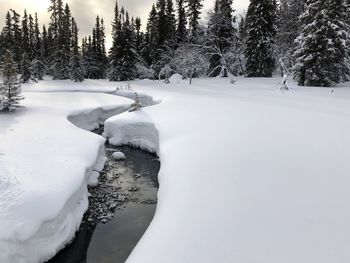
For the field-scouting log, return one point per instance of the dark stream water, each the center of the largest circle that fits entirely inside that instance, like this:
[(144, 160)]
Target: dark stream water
[(125, 200)]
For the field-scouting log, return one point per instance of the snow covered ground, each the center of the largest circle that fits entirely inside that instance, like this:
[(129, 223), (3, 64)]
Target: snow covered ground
[(45, 165), (248, 173)]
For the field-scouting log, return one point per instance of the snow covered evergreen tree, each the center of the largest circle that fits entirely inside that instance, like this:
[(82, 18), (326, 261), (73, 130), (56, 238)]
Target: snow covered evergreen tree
[(94, 53), (289, 28), (10, 86), (139, 35), (127, 69), (25, 33), (12, 36), (60, 30), (75, 64), (261, 30), (194, 8), (45, 46), (38, 67), (26, 74), (181, 24), (17, 36), (89, 59), (149, 50), (162, 22), (123, 55), (7, 35), (167, 49), (170, 22), (348, 25), (30, 52), (116, 50), (322, 46), (221, 37)]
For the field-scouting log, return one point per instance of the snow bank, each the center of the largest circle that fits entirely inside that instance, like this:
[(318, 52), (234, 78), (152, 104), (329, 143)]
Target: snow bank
[(46, 163), (176, 79), (92, 119), (133, 128)]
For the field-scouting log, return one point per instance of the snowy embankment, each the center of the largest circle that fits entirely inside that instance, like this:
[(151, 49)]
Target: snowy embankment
[(249, 174), (46, 163)]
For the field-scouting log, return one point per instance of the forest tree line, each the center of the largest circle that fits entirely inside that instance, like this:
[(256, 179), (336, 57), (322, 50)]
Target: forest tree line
[(307, 39)]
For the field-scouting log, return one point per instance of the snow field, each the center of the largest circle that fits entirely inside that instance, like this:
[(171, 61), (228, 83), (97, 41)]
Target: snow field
[(249, 173)]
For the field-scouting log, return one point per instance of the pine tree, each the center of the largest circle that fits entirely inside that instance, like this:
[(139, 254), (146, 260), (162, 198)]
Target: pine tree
[(129, 58), (150, 51), (348, 25), (221, 37), (60, 31), (75, 63), (123, 55), (162, 22), (37, 65), (7, 34), (99, 48), (25, 33), (322, 46), (170, 22), (30, 52), (261, 30), (38, 69), (94, 54), (181, 29), (89, 60), (116, 50), (37, 43), (10, 86), (288, 28), (193, 12), (26, 74), (139, 36), (45, 47), (17, 36), (242, 30), (167, 50)]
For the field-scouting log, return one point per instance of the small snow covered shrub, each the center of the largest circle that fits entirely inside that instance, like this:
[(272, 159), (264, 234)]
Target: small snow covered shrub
[(144, 72), (137, 105), (189, 61), (165, 73)]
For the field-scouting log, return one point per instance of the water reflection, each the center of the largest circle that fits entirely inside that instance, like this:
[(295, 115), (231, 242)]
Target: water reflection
[(115, 240)]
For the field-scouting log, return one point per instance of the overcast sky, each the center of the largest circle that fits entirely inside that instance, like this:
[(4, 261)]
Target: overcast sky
[(85, 11)]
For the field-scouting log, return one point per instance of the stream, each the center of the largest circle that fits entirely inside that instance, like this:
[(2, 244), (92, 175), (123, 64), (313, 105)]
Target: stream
[(121, 208)]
